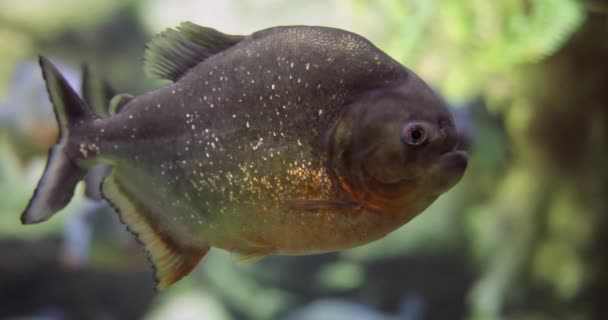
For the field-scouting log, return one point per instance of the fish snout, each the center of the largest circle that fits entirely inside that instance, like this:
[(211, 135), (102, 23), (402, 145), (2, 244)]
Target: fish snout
[(447, 137)]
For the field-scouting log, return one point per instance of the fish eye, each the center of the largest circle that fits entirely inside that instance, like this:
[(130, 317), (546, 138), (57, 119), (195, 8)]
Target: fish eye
[(414, 134)]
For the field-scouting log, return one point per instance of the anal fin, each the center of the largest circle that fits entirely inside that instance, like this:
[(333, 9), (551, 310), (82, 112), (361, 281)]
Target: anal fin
[(171, 260)]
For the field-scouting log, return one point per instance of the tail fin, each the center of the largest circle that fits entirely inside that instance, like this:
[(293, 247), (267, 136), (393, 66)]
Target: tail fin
[(61, 174), (97, 93)]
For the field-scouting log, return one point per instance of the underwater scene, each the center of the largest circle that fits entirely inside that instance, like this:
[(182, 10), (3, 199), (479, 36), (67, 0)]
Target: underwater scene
[(304, 160)]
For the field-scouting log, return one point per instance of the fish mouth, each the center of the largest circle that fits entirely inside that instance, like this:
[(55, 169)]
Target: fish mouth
[(444, 174), (454, 160), (453, 153), (447, 171)]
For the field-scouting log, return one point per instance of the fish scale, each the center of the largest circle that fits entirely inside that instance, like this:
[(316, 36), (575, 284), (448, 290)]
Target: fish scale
[(292, 140)]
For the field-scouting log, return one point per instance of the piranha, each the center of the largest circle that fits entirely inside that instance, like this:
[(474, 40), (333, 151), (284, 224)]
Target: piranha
[(289, 141)]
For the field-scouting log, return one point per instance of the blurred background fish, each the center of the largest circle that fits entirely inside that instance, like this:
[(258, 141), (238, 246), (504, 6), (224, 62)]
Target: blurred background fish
[(522, 237)]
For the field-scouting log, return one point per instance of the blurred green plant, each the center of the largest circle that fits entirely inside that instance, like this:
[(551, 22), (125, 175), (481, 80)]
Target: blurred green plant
[(20, 20), (460, 45)]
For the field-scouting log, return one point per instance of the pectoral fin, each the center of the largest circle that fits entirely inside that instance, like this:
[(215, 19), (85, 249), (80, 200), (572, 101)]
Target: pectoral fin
[(316, 205)]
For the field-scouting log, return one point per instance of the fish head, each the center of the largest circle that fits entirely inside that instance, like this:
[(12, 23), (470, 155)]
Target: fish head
[(399, 145)]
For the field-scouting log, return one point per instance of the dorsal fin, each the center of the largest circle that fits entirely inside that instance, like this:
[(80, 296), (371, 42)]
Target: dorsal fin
[(174, 51)]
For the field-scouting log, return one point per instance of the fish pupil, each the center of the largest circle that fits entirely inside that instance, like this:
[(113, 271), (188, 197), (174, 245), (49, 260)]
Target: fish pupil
[(416, 134)]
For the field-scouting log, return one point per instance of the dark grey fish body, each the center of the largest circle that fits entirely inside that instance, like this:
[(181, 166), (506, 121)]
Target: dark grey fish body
[(288, 141), (256, 109)]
